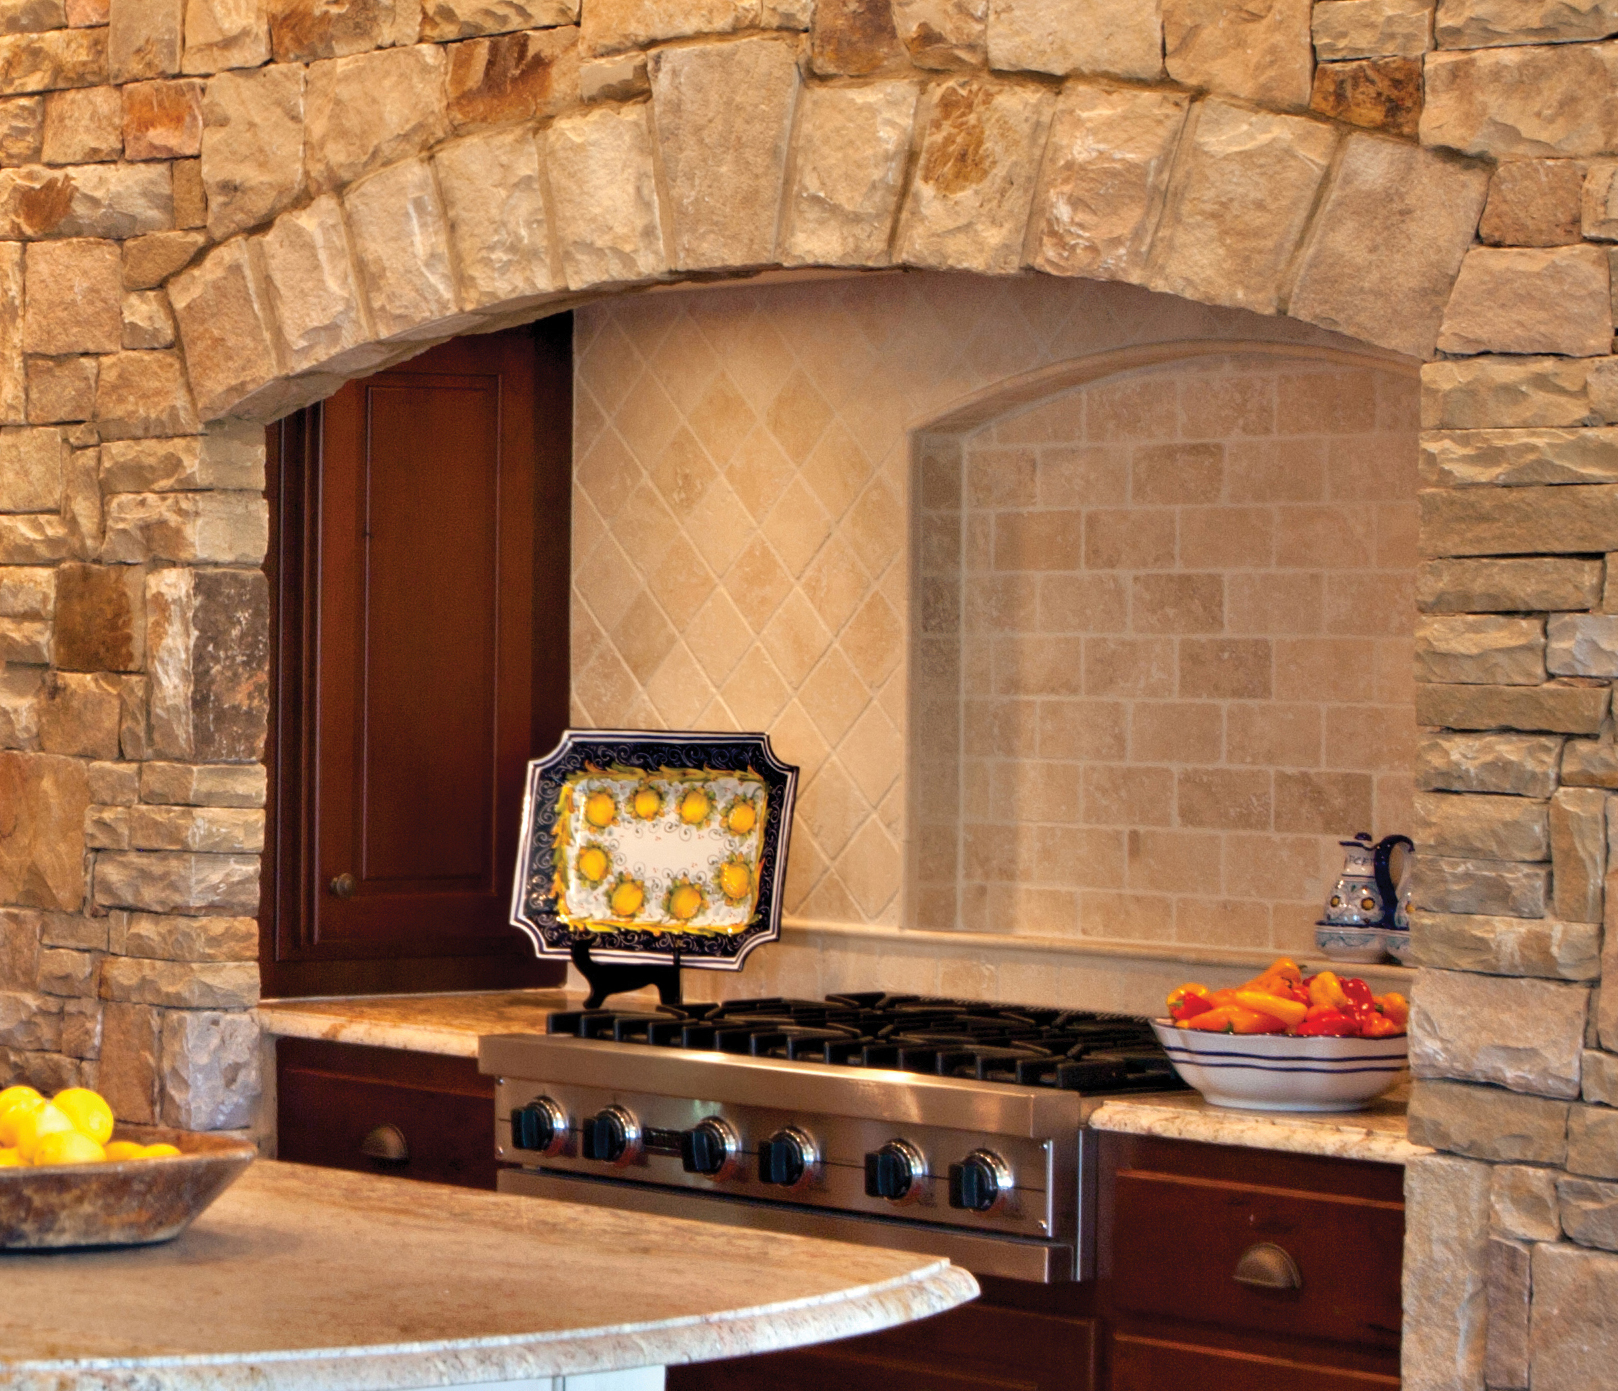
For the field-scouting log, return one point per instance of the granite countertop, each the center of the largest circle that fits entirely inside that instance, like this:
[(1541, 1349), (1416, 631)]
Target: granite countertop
[(1376, 1133), (450, 1024), (317, 1279)]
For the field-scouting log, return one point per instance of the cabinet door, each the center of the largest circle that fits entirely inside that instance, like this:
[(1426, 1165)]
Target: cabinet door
[(421, 586), (1154, 1364)]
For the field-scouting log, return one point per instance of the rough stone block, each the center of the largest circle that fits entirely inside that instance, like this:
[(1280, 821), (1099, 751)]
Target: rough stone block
[(1522, 1203), (100, 618), (20, 695), (159, 937), (73, 289), (1507, 946), (723, 114), (227, 457), (32, 463), (60, 390), (1515, 458), (81, 1028), (1530, 300), (1552, 708), (190, 528), (150, 260), (162, 120), (252, 146), (1377, 93), (42, 804), (1589, 1211), (208, 657), (50, 62), (223, 34), (1583, 644), (1371, 28), (312, 285), (1490, 392), (1488, 1123), (68, 973), (24, 641), (1482, 827), (1479, 649), (143, 394), (167, 882), (144, 38), (1599, 1077), (401, 241), (301, 32), (79, 715), (32, 540), (191, 784), (372, 110), (1503, 521), (90, 200), (619, 78), (1523, 1034), (847, 38), (82, 126), (1578, 826), (27, 592), (1260, 53), (115, 784), (515, 77), (12, 384), (1592, 1141), (1445, 1258), (210, 1070), (604, 196), (1505, 1360), (611, 26), (107, 828), (446, 20), (497, 221), (1104, 179), (1492, 101), (1493, 23), (147, 321), (1573, 1326), (1235, 215), (30, 1021), (1081, 36), (190, 194), (945, 35), (1534, 202), (22, 128), (222, 310), (32, 16), (209, 830), (1533, 584), (1488, 887)]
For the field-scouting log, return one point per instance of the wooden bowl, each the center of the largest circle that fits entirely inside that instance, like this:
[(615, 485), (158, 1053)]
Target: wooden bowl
[(130, 1203)]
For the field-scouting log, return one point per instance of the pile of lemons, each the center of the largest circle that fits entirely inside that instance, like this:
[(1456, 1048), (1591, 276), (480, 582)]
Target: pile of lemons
[(73, 1127)]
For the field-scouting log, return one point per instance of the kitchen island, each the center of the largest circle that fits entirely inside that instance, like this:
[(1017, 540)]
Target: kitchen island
[(320, 1280)]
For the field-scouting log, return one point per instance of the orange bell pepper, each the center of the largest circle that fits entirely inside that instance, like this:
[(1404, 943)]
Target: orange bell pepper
[(1380, 1026), (1395, 1006), (1289, 1012), (1188, 1000), (1234, 1019)]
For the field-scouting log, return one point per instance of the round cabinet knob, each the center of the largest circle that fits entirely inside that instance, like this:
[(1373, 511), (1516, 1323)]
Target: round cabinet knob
[(787, 1158), (540, 1126), (710, 1147), (892, 1172), (611, 1136), (343, 886), (980, 1182)]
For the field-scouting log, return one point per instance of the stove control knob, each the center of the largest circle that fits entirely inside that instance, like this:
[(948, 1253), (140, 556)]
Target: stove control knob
[(710, 1147), (540, 1126), (892, 1172), (611, 1136), (979, 1183), (787, 1158)]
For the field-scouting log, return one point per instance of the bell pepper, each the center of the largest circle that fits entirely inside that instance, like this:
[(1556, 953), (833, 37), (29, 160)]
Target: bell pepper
[(1324, 1022), (1235, 1019), (1325, 989), (1288, 1011), (1188, 1000), (1395, 1007), (1380, 1026), (1358, 992)]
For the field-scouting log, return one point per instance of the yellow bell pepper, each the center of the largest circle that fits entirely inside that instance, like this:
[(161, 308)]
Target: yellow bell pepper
[(1234, 1019), (1325, 989), (1395, 1007), (1289, 1012)]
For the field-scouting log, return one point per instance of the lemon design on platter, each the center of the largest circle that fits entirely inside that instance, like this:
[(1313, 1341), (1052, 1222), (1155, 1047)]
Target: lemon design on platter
[(696, 806), (627, 898), (735, 880), (685, 900), (646, 803), (600, 810), (741, 816), (593, 864)]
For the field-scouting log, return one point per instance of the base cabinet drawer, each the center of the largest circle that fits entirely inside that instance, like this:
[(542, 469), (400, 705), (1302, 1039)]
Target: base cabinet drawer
[(1152, 1364), (384, 1111)]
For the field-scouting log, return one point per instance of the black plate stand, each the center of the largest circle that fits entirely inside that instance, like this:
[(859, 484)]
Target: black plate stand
[(611, 978)]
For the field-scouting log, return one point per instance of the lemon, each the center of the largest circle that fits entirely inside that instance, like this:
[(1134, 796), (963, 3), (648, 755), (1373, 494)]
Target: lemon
[(735, 880), (593, 864), (119, 1150), (10, 1159), (37, 1124), (685, 902), (741, 819), (17, 1093), (628, 898), (87, 1110), (600, 810), (694, 807), (67, 1147), (647, 803), (160, 1152), (11, 1116)]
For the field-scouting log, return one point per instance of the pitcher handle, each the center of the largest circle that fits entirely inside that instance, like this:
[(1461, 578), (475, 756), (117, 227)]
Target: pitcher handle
[(1385, 886)]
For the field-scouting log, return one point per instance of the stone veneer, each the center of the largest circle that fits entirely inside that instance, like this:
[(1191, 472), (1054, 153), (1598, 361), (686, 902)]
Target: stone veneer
[(213, 212)]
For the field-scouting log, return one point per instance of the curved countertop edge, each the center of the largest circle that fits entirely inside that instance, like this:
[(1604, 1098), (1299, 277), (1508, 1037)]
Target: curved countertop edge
[(449, 1024), (1376, 1137), (930, 1290)]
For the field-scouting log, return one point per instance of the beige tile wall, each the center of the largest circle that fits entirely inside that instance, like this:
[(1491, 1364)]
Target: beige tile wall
[(740, 532), (1186, 599)]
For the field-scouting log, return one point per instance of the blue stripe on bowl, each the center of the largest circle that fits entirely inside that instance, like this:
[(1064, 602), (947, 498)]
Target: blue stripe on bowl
[(1175, 1048), (1287, 1071)]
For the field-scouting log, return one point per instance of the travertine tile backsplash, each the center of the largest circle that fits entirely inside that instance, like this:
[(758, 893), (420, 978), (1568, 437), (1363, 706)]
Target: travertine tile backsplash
[(741, 539), (1185, 597)]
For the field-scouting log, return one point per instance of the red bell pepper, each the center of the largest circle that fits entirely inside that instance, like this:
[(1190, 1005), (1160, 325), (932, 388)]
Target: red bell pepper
[(1323, 1021)]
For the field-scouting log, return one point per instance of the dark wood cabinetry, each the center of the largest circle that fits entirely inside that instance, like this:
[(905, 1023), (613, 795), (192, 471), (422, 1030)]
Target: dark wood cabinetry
[(336, 1101)]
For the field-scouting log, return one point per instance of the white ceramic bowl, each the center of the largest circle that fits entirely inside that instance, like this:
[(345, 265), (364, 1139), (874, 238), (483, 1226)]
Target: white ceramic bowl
[(1360, 945), (1276, 1072)]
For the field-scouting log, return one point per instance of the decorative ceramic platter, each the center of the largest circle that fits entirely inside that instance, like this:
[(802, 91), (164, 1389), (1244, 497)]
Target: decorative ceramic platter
[(647, 845)]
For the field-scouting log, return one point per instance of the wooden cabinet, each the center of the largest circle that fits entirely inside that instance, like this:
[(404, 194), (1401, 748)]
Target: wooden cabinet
[(337, 1101), (419, 572)]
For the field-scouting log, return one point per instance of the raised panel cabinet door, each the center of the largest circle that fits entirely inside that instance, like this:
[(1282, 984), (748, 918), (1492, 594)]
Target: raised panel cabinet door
[(1158, 1364), (430, 606)]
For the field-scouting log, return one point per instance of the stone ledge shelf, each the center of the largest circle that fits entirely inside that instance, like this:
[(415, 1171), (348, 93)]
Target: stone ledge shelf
[(449, 1024), (320, 1280), (1376, 1134)]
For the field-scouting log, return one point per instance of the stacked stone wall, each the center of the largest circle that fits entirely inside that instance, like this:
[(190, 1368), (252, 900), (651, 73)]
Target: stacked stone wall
[(213, 212)]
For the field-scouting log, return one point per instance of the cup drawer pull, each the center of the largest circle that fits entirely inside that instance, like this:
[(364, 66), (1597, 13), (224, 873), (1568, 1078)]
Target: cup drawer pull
[(1268, 1267), (387, 1143)]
